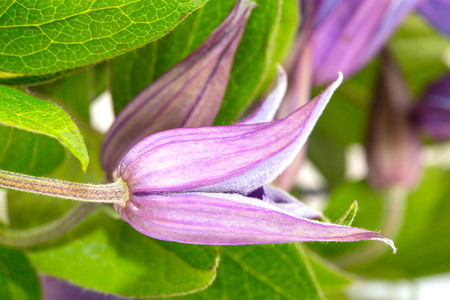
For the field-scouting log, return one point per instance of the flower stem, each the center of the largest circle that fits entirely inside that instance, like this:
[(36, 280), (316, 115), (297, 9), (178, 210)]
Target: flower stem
[(116, 192), (39, 235)]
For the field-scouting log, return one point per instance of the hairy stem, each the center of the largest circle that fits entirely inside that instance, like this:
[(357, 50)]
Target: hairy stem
[(47, 232), (116, 192)]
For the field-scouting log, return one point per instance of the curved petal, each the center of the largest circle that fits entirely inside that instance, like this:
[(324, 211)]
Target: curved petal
[(237, 158), (266, 112), (229, 219)]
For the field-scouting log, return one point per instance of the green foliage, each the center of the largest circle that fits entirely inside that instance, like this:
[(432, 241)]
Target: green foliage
[(42, 37), (422, 238), (110, 256), (32, 114), (266, 39), (23, 209), (18, 280), (423, 241), (29, 153), (258, 272), (76, 91), (42, 41)]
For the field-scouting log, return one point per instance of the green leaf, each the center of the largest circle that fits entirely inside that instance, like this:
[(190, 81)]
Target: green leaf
[(330, 278), (266, 41), (110, 256), (32, 114), (42, 37), (349, 216), (425, 65), (262, 272), (269, 31), (76, 91), (29, 153), (18, 280)]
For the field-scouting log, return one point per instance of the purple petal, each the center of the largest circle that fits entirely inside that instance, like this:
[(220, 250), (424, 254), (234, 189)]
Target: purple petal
[(285, 202), (351, 32), (432, 113), (393, 147), (229, 219), (236, 158), (266, 112), (57, 289), (437, 13), (187, 95)]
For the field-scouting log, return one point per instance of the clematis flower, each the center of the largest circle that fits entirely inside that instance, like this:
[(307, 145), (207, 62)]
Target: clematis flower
[(208, 185), (187, 95), (432, 113)]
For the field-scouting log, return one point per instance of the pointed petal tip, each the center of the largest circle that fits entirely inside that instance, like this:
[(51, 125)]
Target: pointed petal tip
[(269, 107), (387, 241), (281, 71), (250, 3)]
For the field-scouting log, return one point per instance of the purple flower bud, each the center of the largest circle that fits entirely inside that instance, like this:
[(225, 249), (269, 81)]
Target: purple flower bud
[(207, 185), (187, 95), (432, 113), (346, 34), (393, 147), (437, 13)]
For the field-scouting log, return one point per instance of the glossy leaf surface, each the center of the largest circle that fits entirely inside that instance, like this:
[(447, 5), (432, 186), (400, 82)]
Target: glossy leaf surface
[(44, 37), (32, 114)]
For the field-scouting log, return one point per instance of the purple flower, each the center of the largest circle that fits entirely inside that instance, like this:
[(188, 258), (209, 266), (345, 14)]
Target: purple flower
[(432, 113), (208, 185)]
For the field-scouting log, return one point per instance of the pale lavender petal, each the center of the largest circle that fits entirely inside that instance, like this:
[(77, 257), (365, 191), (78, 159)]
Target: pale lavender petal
[(229, 219), (432, 113), (285, 201), (437, 12), (351, 32), (236, 158), (266, 112), (393, 146), (188, 95)]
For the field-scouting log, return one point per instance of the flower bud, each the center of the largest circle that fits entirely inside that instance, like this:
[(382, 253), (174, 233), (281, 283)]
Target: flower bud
[(393, 146)]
